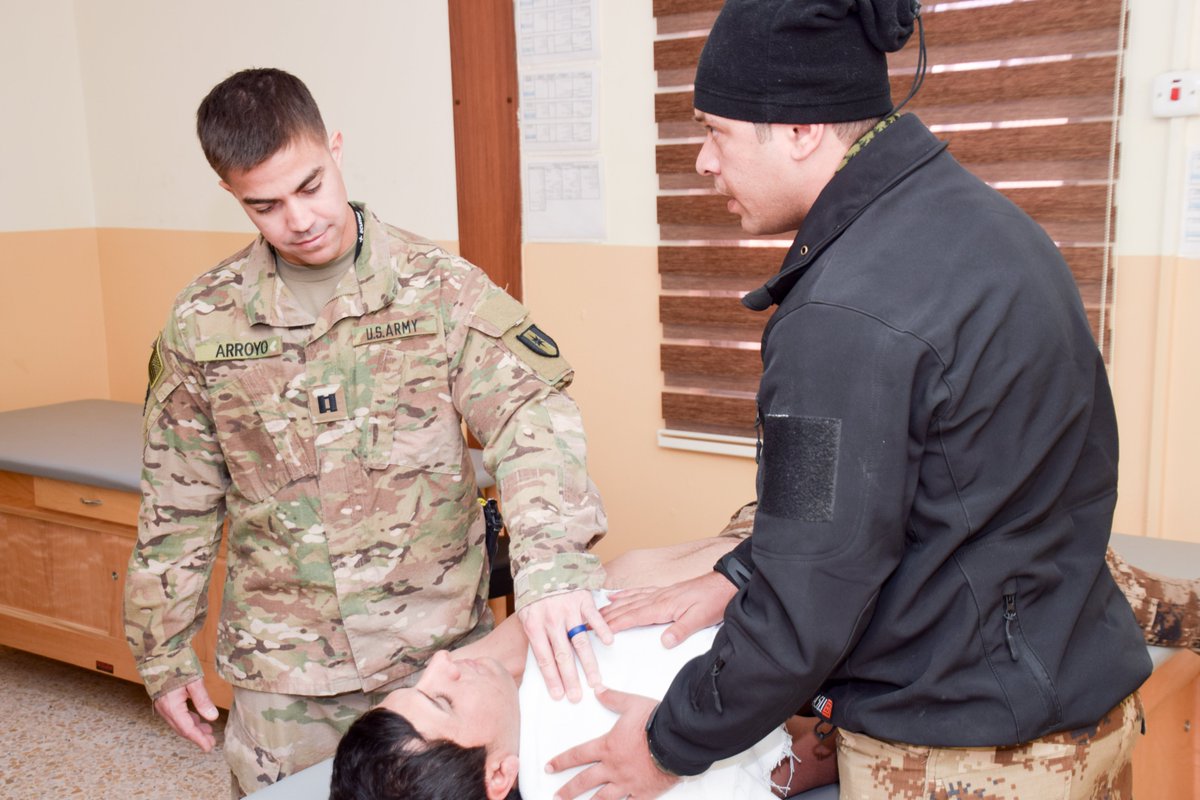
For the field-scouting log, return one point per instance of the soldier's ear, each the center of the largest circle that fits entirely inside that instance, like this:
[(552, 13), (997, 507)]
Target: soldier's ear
[(804, 139), (225, 186), (335, 148)]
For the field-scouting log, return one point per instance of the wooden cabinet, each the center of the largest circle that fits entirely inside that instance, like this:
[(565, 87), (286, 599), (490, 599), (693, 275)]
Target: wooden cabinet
[(64, 548), (1166, 761)]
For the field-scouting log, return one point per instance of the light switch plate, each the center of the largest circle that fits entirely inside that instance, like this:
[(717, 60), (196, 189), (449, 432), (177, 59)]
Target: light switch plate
[(1177, 94)]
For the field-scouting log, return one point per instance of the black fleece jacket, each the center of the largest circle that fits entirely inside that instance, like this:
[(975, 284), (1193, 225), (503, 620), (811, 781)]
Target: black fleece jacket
[(936, 483)]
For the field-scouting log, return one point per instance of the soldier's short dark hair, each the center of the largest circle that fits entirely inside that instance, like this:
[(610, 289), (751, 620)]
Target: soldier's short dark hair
[(851, 132), (253, 114), (383, 757)]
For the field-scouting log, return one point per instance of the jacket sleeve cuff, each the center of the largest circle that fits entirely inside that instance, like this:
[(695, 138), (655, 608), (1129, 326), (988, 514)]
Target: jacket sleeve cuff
[(738, 564), (168, 672), (661, 756), (566, 572)]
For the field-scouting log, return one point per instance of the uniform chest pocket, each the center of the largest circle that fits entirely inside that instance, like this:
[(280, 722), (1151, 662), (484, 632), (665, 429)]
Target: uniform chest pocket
[(266, 438), (412, 420)]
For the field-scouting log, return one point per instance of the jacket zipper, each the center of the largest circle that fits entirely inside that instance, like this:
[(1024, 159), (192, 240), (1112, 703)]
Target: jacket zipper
[(713, 673), (1010, 616), (1032, 664), (758, 433)]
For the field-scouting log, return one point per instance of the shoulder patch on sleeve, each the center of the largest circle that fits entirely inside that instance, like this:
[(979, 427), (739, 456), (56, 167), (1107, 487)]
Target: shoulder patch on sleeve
[(799, 469), (538, 341), (155, 368), (502, 317), (499, 313), (535, 348)]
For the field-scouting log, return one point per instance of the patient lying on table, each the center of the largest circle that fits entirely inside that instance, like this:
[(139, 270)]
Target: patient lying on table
[(481, 721)]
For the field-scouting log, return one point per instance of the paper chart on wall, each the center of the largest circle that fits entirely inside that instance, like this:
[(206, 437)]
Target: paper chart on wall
[(558, 54), (559, 110), (556, 30), (564, 199), (1189, 232)]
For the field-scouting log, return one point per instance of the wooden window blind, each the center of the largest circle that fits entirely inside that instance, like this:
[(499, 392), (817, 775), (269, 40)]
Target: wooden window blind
[(1025, 91)]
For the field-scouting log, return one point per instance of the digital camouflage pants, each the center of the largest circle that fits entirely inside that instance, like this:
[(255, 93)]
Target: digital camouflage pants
[(1085, 764)]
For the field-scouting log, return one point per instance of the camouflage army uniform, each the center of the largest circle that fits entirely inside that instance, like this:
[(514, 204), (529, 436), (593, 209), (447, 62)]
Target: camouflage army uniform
[(355, 540)]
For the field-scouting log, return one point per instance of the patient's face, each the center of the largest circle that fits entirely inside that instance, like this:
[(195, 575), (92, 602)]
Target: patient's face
[(472, 702)]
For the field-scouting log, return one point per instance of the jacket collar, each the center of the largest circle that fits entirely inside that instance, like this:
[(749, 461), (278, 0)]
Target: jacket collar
[(370, 286), (897, 151)]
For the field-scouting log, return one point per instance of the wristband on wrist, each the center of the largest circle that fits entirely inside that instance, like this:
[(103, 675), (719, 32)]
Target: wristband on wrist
[(733, 569)]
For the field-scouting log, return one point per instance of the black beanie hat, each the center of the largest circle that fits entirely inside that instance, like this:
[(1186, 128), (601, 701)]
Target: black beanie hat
[(802, 61)]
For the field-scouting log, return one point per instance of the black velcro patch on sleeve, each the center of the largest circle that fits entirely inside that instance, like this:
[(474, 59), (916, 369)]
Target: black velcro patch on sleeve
[(799, 466)]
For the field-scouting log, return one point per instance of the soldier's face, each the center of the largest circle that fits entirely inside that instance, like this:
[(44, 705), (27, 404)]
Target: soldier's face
[(758, 176), (297, 200), (472, 702)]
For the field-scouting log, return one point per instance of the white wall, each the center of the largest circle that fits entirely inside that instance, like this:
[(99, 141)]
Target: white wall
[(1163, 36), (627, 127), (45, 177), (104, 118), (379, 69)]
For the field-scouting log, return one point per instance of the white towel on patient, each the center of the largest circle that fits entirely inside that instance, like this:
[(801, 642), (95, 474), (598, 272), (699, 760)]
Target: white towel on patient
[(636, 662)]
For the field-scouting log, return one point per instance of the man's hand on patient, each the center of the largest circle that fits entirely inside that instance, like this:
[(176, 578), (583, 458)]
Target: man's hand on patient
[(547, 622), (691, 605), (620, 760), (193, 726)]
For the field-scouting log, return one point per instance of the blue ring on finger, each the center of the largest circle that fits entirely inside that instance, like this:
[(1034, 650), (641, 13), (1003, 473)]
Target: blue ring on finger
[(576, 630)]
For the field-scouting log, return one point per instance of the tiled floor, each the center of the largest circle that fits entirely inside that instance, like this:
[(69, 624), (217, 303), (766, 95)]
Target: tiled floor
[(66, 732)]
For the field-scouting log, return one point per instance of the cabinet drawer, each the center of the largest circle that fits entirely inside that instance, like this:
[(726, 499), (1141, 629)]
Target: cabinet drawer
[(110, 505)]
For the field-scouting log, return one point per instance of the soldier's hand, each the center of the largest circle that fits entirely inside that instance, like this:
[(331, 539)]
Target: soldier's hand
[(547, 622), (619, 761), (193, 726), (691, 605)]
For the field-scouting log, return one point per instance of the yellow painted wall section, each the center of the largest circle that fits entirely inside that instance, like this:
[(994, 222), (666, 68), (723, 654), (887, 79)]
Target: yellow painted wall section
[(600, 303), (52, 345), (1156, 386), (1181, 470), (142, 272), (1131, 373)]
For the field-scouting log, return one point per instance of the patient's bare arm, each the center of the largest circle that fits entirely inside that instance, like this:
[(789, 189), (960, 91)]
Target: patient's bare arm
[(664, 566), (685, 590)]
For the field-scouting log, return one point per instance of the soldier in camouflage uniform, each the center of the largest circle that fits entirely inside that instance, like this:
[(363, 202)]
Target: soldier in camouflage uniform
[(328, 433)]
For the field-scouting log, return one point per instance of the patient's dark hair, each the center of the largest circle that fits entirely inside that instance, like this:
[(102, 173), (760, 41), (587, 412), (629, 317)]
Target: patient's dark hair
[(252, 115), (383, 757)]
